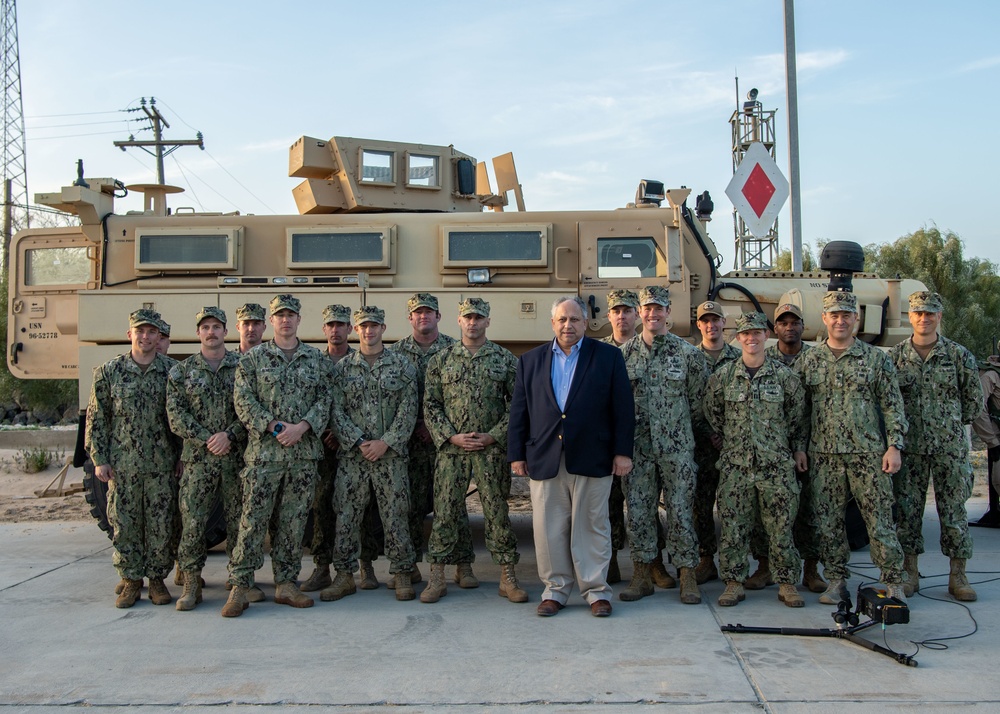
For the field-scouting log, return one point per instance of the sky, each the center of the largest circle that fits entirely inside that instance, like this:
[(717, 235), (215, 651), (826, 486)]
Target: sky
[(896, 119)]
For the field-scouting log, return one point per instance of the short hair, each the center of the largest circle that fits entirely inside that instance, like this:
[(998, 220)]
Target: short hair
[(570, 298)]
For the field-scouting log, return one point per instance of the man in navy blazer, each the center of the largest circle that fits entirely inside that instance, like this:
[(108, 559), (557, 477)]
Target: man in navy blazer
[(572, 425)]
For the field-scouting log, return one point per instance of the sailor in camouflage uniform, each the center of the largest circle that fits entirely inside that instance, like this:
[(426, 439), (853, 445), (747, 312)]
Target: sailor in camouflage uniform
[(758, 406), (129, 441), (788, 327), (163, 346), (668, 382), (201, 412), (939, 380), (849, 384), (711, 322), (623, 314), (282, 397), (467, 407), (336, 328), (419, 347), (374, 412), (250, 326)]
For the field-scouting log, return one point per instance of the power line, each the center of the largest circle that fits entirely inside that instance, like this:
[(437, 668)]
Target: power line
[(74, 114), (86, 123)]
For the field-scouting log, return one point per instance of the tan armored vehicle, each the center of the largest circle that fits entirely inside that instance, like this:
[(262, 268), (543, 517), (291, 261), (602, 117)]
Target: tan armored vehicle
[(377, 222)]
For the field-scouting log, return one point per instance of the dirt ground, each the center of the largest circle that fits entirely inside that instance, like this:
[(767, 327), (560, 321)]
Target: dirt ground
[(19, 504)]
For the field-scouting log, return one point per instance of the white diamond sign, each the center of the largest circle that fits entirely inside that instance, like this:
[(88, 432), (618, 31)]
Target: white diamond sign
[(758, 190)]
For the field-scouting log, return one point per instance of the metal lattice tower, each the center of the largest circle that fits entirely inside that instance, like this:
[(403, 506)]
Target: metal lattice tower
[(15, 168), (752, 123)]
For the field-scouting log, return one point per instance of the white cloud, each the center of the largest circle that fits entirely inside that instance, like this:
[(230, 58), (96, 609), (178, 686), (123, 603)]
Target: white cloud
[(980, 64)]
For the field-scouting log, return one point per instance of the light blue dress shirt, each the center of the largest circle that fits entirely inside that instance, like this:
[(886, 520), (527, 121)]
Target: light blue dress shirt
[(563, 369)]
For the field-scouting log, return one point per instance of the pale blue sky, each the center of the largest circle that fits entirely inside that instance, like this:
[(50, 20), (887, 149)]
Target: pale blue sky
[(897, 100)]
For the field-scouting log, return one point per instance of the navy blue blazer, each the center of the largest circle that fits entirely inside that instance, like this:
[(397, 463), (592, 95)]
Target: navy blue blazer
[(598, 422)]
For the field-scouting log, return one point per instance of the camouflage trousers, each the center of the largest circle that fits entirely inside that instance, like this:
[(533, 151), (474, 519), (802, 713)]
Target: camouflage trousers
[(325, 518), (141, 510), (420, 472), (834, 477), (803, 530), (352, 493), (616, 514), (706, 456), (674, 476), (769, 494), (451, 539), (201, 483), (275, 494), (952, 476)]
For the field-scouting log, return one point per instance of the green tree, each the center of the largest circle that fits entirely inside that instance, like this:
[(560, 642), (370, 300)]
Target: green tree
[(970, 287), (784, 260)]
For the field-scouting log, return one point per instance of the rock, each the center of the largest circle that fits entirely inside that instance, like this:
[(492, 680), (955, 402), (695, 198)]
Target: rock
[(20, 419)]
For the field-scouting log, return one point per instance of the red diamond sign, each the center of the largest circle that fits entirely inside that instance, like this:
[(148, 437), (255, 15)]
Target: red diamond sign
[(758, 190)]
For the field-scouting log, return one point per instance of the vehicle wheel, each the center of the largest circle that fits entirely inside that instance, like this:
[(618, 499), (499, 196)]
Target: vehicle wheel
[(96, 494)]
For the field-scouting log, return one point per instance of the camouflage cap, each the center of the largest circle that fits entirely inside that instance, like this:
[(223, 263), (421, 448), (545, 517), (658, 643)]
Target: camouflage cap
[(622, 298), (285, 302), (336, 313), (164, 327), (751, 321), (369, 313), (145, 316), (840, 302), (211, 311), (709, 308), (250, 311), (926, 301), (787, 307), (422, 300), (473, 306), (654, 295)]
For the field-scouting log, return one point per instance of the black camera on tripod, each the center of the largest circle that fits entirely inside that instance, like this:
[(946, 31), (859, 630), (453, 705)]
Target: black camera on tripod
[(876, 604)]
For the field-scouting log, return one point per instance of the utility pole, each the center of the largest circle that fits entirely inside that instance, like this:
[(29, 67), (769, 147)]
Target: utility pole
[(15, 172), (791, 91), (161, 148)]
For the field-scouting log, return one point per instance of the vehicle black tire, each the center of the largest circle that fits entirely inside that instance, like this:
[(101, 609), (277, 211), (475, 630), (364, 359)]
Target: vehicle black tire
[(96, 495)]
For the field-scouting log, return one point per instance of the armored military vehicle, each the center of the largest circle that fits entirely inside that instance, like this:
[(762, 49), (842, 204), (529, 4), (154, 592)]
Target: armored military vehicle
[(378, 221)]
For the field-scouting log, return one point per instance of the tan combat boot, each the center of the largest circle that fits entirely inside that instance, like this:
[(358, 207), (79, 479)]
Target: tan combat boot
[(465, 577), (509, 587), (761, 577), (255, 594), (404, 588), (342, 586), (319, 579), (641, 584), (236, 603), (912, 582), (192, 591), (436, 586), (835, 593), (415, 577), (121, 586), (158, 593), (289, 594), (789, 595), (368, 579), (705, 570), (131, 591), (661, 578), (895, 590), (614, 572), (732, 595), (178, 575), (811, 577), (690, 594), (958, 583)]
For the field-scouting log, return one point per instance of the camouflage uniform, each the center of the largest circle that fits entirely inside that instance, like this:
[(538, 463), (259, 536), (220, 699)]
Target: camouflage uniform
[(762, 422), (616, 501), (422, 453), (200, 404), (127, 428), (279, 481), (848, 396), (376, 402), (668, 383), (804, 530), (941, 395), (469, 392), (706, 457)]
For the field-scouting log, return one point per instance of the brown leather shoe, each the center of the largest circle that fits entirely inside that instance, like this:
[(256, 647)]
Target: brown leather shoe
[(600, 608), (548, 608)]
